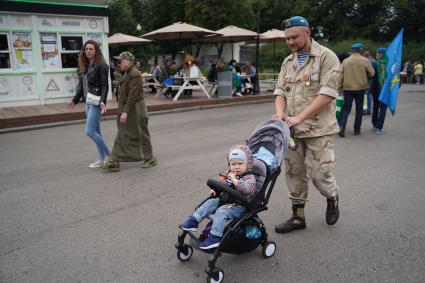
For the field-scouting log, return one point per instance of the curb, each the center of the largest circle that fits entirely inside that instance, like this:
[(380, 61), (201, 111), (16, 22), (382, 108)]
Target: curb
[(153, 111)]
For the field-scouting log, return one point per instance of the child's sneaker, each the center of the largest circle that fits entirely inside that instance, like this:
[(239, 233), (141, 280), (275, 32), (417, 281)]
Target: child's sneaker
[(211, 242), (190, 224)]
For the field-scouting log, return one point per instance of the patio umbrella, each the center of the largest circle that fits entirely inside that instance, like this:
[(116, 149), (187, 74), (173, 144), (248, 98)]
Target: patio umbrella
[(230, 34), (178, 30), (120, 38), (273, 35)]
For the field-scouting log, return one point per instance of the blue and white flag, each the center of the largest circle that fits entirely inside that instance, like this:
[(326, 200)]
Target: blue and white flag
[(389, 91)]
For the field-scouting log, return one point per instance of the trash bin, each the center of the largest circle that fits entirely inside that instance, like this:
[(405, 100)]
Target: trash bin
[(256, 82), (224, 88)]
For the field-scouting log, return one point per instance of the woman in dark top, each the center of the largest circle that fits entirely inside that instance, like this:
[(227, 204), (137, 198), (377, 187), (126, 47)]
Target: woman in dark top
[(93, 72)]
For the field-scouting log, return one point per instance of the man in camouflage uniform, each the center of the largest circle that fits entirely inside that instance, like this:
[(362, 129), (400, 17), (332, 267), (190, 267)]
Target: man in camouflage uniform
[(305, 93)]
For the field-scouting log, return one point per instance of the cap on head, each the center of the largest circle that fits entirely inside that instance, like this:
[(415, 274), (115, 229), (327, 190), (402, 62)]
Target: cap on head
[(296, 21), (237, 154), (243, 153), (357, 46), (381, 50), (125, 55)]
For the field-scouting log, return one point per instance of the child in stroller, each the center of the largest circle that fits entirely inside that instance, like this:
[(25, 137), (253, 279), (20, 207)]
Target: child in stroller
[(239, 177), (268, 144)]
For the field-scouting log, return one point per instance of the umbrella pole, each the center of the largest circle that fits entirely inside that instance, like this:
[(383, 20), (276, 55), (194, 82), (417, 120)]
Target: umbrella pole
[(274, 59), (231, 44)]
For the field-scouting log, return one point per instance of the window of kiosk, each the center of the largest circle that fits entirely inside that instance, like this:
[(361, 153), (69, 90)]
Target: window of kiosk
[(4, 52), (71, 46)]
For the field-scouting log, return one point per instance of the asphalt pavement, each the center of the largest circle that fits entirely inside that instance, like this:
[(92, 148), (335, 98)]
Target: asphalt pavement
[(63, 222)]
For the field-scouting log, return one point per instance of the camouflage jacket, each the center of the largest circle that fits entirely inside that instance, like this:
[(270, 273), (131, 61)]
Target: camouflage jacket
[(301, 84)]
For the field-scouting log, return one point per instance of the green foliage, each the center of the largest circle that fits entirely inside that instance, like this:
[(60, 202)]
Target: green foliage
[(410, 49), (121, 18), (216, 14), (414, 50), (408, 14), (336, 23), (338, 19), (161, 13), (124, 18), (269, 62)]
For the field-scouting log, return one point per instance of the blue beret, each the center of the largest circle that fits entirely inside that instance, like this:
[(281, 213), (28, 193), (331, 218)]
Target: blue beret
[(381, 50), (295, 21), (357, 46)]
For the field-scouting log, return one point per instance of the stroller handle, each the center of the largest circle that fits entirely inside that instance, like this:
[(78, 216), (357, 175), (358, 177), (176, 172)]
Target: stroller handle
[(224, 190)]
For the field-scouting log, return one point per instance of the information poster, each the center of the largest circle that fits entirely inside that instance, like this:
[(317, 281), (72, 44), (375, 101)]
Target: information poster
[(95, 37), (49, 51), (22, 49)]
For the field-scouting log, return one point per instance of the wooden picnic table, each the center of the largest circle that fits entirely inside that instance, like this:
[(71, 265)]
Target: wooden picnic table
[(147, 81), (187, 85)]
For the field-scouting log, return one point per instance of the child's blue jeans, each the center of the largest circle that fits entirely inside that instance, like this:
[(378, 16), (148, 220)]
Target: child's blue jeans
[(223, 214)]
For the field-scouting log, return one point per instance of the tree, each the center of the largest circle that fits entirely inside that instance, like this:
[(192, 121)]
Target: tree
[(216, 14), (160, 13), (331, 21), (408, 14), (121, 18), (334, 20)]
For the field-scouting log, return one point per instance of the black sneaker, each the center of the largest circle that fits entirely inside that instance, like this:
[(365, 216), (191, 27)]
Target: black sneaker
[(357, 132), (293, 223), (341, 133), (332, 211)]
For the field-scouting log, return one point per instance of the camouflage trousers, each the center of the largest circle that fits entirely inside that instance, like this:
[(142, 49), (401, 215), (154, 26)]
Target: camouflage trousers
[(310, 159)]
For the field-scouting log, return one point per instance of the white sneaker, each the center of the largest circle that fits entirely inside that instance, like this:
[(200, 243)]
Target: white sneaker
[(239, 94), (96, 164)]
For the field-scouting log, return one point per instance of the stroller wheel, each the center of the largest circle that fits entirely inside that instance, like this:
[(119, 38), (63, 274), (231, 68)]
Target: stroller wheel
[(185, 253), (219, 274), (269, 249)]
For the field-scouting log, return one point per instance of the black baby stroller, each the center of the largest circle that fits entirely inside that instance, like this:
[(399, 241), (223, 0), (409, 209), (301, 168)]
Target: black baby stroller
[(268, 143)]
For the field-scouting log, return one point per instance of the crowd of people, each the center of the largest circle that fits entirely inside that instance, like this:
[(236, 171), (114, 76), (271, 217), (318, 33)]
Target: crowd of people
[(173, 71), (361, 80), (311, 78), (414, 71)]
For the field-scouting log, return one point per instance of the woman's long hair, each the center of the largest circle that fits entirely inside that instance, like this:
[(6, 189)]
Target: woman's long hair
[(82, 59)]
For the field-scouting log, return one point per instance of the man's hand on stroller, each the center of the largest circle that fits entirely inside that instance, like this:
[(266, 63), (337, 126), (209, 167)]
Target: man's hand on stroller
[(279, 116), (292, 121)]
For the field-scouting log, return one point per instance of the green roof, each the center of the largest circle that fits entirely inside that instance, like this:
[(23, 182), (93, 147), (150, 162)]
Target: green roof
[(93, 4)]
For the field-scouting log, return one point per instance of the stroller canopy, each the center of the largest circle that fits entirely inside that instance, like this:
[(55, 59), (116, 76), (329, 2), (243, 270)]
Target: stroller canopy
[(272, 135)]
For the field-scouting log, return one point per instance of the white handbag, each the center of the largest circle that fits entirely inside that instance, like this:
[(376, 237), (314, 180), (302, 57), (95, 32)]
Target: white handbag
[(92, 99)]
